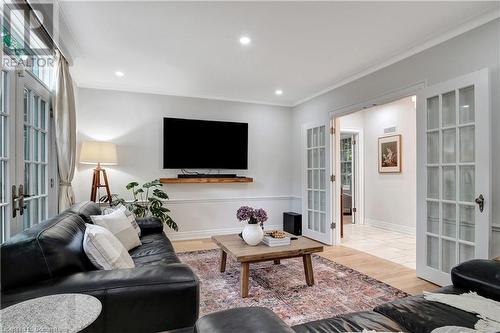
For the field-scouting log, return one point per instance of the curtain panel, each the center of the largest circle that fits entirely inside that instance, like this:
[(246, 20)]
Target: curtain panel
[(65, 131)]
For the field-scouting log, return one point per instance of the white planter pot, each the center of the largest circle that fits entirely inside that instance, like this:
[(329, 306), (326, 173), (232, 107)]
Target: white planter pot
[(252, 234)]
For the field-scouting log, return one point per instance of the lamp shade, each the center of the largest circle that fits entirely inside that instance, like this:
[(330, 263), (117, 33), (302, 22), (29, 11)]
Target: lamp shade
[(94, 152)]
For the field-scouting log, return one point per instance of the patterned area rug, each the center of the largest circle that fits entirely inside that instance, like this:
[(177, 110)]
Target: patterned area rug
[(282, 288)]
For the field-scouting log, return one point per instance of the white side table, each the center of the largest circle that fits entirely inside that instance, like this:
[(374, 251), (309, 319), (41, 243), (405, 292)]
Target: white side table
[(54, 313)]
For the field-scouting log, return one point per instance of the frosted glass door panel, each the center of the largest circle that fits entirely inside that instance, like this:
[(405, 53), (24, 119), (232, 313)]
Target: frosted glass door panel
[(449, 146), (449, 110), (316, 177), (453, 175), (467, 144), (466, 105), (316, 206), (450, 178)]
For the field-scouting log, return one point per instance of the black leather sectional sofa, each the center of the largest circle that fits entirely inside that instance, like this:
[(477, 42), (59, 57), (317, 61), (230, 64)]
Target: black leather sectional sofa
[(411, 314), (159, 294)]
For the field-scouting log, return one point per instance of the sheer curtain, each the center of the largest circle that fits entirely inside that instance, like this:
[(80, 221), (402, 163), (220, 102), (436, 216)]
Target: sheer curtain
[(65, 130)]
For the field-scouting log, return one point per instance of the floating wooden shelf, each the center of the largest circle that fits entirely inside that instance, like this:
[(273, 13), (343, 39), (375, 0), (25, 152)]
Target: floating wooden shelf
[(205, 180)]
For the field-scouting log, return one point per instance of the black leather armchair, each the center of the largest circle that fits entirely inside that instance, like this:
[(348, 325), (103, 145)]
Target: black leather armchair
[(159, 294)]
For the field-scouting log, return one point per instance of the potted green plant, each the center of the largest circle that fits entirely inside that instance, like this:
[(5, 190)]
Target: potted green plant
[(148, 201)]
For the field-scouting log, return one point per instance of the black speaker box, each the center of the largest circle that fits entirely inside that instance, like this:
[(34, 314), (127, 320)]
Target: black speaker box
[(292, 223)]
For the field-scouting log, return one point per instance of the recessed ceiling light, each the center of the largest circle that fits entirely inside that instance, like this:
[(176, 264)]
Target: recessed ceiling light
[(245, 40), (279, 92), (466, 106), (119, 73)]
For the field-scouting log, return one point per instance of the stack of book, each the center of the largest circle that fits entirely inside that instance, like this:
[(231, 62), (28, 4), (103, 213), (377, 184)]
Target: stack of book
[(271, 241)]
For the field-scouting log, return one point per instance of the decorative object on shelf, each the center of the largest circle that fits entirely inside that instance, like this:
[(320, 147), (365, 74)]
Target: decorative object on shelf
[(389, 154), (271, 241), (276, 238), (253, 232), (99, 153), (148, 201), (277, 234)]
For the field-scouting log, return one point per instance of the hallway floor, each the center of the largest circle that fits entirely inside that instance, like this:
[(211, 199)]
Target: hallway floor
[(391, 245)]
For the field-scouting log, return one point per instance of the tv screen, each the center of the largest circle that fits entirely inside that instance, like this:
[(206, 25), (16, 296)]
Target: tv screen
[(202, 144)]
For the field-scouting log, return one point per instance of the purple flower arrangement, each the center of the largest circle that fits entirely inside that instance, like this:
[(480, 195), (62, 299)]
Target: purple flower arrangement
[(253, 216)]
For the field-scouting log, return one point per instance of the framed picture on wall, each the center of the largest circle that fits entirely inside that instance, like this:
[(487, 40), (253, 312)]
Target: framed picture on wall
[(389, 154)]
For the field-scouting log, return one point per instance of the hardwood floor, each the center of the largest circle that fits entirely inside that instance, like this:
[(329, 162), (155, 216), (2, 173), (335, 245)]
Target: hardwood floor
[(396, 275)]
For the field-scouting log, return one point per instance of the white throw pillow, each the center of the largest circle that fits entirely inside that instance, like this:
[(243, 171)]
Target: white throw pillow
[(128, 214), (104, 250), (119, 225)]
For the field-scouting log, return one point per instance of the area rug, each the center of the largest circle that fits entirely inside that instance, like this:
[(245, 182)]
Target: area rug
[(282, 288)]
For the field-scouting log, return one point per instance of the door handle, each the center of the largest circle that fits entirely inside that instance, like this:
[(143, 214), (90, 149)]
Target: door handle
[(480, 202), (14, 199), (22, 206), (18, 198)]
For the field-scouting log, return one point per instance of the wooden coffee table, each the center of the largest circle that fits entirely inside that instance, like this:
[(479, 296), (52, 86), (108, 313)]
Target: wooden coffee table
[(246, 254)]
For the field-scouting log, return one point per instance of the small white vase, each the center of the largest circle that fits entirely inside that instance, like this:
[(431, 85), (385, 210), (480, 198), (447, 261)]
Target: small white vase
[(252, 234)]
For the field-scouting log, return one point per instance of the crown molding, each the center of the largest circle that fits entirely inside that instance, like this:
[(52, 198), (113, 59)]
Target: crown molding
[(126, 88), (462, 28)]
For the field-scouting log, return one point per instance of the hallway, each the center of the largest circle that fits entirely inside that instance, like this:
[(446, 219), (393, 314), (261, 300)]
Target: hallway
[(394, 246)]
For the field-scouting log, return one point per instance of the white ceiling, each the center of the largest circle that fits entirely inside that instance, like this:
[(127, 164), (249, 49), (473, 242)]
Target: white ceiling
[(303, 48)]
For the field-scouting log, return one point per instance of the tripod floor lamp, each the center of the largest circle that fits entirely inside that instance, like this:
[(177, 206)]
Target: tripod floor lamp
[(99, 153)]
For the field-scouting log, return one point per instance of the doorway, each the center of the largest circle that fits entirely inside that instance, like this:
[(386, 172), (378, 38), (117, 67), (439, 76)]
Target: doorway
[(378, 206), (350, 176)]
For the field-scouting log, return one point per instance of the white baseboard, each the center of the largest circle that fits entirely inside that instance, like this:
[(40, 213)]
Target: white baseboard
[(201, 234), (391, 226)]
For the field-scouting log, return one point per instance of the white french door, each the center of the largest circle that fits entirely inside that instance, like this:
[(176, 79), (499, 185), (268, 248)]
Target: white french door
[(316, 186), (453, 180), (27, 162), (6, 147)]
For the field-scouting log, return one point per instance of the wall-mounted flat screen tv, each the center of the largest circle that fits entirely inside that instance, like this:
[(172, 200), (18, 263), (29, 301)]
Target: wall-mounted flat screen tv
[(203, 144)]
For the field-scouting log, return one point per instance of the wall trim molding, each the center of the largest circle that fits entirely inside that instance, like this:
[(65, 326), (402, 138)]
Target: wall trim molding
[(207, 233), (152, 91), (231, 199), (391, 226), (471, 24)]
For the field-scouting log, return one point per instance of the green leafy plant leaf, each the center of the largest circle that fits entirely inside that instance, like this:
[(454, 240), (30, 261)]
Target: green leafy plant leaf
[(160, 194), (146, 203)]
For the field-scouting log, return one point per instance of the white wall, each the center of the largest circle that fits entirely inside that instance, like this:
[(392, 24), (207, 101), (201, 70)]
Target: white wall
[(474, 50), (134, 122), (390, 198)]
